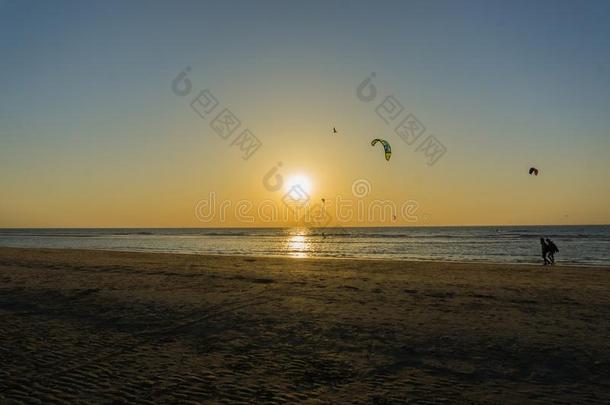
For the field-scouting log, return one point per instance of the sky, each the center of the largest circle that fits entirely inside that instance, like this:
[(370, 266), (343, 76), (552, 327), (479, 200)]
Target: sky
[(98, 130)]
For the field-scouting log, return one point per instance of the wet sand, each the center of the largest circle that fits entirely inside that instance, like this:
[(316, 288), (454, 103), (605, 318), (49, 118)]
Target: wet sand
[(101, 326)]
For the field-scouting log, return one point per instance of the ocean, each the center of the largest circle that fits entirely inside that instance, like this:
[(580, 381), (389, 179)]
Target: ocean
[(578, 245)]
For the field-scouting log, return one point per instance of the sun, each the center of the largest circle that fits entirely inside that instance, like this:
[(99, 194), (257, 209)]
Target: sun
[(299, 181)]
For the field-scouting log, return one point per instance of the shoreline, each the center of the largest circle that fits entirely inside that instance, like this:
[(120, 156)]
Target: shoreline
[(104, 326), (349, 258)]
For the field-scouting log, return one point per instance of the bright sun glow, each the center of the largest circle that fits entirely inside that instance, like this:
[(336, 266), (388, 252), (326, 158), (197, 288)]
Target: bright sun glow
[(299, 180)]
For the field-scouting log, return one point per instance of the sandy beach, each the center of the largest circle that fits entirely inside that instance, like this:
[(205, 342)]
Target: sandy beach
[(100, 326)]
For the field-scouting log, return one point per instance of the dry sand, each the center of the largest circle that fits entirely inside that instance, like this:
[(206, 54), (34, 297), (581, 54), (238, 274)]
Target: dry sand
[(100, 326)]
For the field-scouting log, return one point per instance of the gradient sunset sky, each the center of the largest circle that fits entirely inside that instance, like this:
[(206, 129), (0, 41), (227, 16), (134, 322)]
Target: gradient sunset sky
[(91, 133)]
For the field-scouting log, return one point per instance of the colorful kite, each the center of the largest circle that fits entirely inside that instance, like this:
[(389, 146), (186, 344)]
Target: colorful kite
[(386, 147)]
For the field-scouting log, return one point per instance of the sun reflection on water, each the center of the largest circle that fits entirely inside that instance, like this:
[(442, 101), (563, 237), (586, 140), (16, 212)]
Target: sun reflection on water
[(298, 245)]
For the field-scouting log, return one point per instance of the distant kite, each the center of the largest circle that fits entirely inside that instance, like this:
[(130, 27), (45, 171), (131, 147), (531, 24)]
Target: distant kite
[(334, 130), (533, 171), (386, 147)]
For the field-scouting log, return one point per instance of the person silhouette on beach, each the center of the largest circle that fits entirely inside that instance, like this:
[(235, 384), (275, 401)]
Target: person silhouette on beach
[(545, 251), (552, 249)]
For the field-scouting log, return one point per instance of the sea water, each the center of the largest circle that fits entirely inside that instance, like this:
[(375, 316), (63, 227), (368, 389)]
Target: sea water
[(579, 245)]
